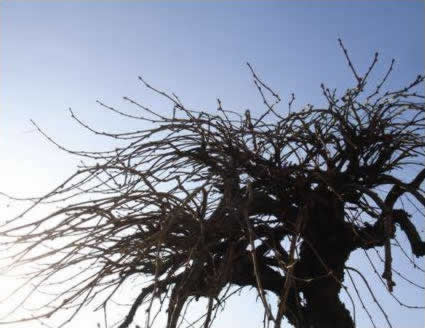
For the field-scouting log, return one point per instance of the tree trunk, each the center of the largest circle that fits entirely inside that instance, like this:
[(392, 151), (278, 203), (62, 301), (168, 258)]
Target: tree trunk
[(323, 307), (327, 244)]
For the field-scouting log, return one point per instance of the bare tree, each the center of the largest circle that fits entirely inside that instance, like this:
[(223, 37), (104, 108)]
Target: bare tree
[(202, 203)]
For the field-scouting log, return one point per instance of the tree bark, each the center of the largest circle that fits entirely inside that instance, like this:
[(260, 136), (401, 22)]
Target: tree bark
[(328, 242)]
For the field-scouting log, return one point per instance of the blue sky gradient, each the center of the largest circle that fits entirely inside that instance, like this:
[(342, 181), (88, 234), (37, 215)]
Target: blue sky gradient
[(55, 55)]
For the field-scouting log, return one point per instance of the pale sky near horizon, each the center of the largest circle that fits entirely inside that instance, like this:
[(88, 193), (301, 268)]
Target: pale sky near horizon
[(56, 55)]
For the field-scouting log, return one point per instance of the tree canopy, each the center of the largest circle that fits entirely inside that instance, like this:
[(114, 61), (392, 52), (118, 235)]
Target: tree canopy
[(201, 204)]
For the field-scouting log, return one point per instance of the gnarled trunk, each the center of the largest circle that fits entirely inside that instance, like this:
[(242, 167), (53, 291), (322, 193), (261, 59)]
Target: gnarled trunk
[(327, 244)]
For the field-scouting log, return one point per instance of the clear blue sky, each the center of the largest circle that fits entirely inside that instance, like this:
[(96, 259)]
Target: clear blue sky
[(55, 55)]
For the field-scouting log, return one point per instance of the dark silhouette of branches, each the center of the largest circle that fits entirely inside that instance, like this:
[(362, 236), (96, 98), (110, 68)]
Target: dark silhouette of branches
[(195, 204)]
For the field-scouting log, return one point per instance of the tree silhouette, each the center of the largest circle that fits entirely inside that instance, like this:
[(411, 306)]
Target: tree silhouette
[(199, 204)]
